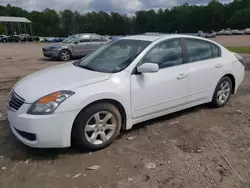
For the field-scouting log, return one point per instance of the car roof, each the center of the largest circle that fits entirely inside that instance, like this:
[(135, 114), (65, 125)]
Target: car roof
[(87, 34), (155, 36), (150, 38)]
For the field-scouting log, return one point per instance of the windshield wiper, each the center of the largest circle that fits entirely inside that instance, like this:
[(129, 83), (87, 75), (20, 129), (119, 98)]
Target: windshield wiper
[(88, 68), (77, 64)]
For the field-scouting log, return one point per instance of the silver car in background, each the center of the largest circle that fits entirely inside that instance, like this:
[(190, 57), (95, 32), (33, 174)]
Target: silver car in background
[(78, 45)]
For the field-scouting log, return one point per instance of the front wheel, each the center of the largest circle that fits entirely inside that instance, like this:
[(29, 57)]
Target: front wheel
[(97, 126), (222, 92), (64, 55)]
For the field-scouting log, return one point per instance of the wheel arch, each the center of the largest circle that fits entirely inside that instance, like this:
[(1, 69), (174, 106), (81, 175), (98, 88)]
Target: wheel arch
[(231, 76), (114, 102), (70, 51), (67, 49)]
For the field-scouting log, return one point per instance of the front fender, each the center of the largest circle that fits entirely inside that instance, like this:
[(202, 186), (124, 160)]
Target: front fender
[(109, 96), (88, 94)]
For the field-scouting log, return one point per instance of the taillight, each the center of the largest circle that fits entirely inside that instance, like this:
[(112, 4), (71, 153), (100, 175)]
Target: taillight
[(240, 59)]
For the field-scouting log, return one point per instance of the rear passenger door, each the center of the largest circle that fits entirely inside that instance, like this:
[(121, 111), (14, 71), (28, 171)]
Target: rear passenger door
[(205, 69)]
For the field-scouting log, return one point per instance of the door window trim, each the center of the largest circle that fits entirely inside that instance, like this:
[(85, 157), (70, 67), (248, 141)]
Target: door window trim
[(184, 55)]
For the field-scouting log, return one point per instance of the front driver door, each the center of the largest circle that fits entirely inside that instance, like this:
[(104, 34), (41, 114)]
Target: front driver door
[(153, 93), (82, 47)]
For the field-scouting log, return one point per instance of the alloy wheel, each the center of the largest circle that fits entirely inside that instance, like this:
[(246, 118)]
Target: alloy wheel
[(100, 128), (65, 55), (223, 92)]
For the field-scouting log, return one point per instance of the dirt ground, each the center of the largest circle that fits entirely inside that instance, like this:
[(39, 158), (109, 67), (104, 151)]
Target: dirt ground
[(234, 41), (174, 151)]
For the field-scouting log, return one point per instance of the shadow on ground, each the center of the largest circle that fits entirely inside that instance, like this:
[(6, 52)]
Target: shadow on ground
[(13, 149)]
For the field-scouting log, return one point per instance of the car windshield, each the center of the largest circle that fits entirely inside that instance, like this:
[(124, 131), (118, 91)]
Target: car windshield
[(71, 39), (114, 56)]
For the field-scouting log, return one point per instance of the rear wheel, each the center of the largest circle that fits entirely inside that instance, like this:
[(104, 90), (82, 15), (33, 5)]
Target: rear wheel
[(222, 92), (64, 55), (97, 126)]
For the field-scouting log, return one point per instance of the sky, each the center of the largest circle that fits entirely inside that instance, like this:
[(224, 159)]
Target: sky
[(122, 6)]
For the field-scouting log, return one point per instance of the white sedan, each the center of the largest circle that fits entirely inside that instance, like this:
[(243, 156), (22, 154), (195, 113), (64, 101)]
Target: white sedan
[(127, 81)]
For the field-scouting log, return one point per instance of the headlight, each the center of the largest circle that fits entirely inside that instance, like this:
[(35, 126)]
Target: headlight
[(52, 48), (49, 103)]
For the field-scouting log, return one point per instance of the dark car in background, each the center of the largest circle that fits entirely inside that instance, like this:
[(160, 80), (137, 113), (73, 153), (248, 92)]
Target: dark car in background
[(14, 38), (3, 38), (78, 45)]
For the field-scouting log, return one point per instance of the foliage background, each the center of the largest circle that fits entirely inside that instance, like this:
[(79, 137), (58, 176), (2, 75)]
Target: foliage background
[(185, 19)]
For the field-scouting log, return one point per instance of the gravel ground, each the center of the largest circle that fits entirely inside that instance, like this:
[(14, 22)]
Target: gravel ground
[(178, 150)]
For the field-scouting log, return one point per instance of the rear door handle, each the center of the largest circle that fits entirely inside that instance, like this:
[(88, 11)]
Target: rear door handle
[(181, 76), (218, 65)]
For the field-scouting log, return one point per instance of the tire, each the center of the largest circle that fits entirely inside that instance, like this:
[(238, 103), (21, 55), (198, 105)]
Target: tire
[(219, 101), (83, 133), (64, 55)]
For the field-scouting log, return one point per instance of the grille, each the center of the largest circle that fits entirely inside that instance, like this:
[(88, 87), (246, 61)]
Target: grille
[(15, 101)]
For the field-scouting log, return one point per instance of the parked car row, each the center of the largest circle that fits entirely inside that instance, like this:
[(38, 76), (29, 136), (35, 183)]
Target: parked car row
[(51, 39), (234, 32), (18, 38), (206, 35)]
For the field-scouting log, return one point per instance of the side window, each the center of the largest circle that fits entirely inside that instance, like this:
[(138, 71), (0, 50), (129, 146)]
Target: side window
[(198, 50), (96, 38), (103, 39), (84, 38), (216, 50), (167, 54)]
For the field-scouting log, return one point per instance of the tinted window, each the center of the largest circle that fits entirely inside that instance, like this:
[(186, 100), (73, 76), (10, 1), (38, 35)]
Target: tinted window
[(84, 38), (166, 54), (198, 50), (96, 38), (216, 50)]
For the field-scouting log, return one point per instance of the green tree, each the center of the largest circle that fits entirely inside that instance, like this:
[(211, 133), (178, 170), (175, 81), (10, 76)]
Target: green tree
[(185, 18), (2, 29), (67, 20), (241, 19)]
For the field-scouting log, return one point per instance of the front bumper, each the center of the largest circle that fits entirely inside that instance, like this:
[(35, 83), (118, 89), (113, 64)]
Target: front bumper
[(50, 53), (42, 131)]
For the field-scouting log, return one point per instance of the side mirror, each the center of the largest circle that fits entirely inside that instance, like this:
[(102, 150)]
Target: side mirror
[(76, 42), (148, 68)]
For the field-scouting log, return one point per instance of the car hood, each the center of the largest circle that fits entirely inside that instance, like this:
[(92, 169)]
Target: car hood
[(56, 78), (57, 45)]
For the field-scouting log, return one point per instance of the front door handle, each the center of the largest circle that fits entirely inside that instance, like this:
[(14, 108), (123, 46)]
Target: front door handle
[(218, 65), (181, 76)]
